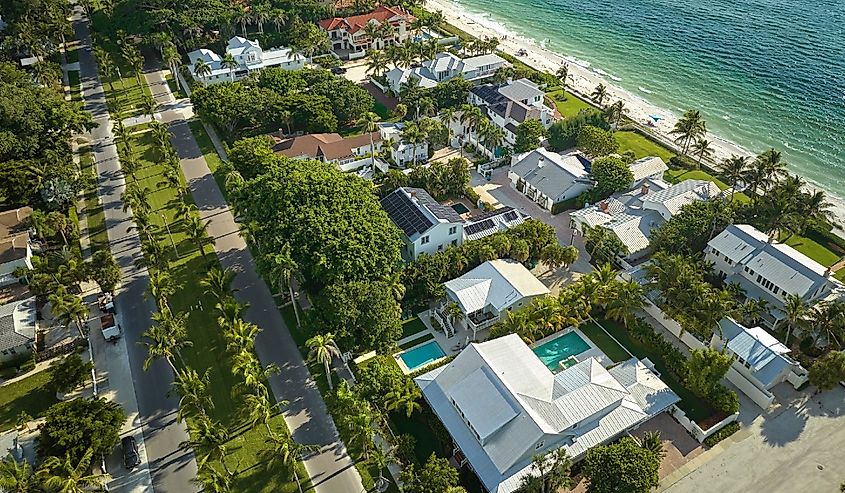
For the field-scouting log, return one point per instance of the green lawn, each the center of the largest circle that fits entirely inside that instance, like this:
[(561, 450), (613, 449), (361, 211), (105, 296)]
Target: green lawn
[(419, 340), (72, 54), (606, 343), (412, 326), (206, 146), (695, 408), (678, 175), (75, 87), (812, 249), (31, 395), (641, 145), (567, 104), (209, 348), (95, 216)]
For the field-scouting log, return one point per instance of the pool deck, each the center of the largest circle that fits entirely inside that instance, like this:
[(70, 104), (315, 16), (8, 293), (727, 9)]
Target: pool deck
[(449, 345), (593, 352)]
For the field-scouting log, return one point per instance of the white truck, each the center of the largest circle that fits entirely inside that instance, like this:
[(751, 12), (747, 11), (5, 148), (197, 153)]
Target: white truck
[(111, 330)]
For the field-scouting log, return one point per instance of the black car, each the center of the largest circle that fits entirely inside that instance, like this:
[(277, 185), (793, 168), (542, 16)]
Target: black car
[(131, 458), (338, 70)]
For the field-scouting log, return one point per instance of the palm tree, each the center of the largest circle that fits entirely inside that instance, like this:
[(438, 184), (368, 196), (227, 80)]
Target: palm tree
[(795, 315), (192, 389), (230, 311), (471, 118), (814, 207), (209, 438), (828, 323), (689, 127), (286, 117), (570, 255), (171, 56), (202, 69), (218, 283), (599, 93), (412, 134), (615, 112), (211, 480), (106, 65), (370, 122), (148, 106), (702, 149), (652, 442), (282, 270), (322, 348), (166, 339), (285, 452), (161, 287), (258, 408), (17, 477), (361, 427), (195, 227), (404, 397), (62, 474), (229, 63), (735, 169), (562, 74), (240, 335), (278, 17), (493, 137)]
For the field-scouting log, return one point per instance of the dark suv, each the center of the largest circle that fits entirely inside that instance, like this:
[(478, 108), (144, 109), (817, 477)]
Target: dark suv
[(131, 458)]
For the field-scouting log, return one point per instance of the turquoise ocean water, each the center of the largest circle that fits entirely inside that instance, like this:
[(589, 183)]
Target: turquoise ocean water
[(764, 73)]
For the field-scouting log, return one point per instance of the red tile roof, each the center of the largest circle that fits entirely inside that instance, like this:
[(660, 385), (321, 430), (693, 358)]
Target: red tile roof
[(357, 22)]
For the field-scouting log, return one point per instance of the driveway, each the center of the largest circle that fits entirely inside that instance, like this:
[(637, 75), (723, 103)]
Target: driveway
[(795, 446), (498, 190)]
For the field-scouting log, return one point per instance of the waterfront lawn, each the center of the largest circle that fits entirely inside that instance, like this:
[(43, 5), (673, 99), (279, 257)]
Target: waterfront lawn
[(412, 326), (695, 408), (567, 104), (209, 348), (31, 395), (810, 248), (604, 342), (641, 145)]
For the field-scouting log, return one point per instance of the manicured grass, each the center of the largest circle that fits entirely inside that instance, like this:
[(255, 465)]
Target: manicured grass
[(72, 54), (98, 237), (812, 249), (695, 408), (679, 175), (206, 146), (209, 348), (417, 341), (30, 395), (75, 87), (173, 86), (606, 343), (567, 104), (412, 326), (641, 145)]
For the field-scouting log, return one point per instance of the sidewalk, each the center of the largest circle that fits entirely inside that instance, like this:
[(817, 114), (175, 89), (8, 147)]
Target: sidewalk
[(331, 470)]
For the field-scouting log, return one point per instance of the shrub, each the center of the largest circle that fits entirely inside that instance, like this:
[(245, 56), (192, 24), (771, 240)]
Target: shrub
[(596, 141), (724, 399), (405, 445), (471, 194), (720, 435)]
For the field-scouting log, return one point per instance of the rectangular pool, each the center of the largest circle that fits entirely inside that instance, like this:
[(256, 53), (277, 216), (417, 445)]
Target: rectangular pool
[(553, 351), (422, 355), (460, 208)]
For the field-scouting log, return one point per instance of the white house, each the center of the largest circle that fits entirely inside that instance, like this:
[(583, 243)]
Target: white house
[(249, 57), (760, 357), (492, 222), (633, 215), (15, 249), (502, 406), (647, 168), (548, 178), (510, 104), (348, 34), (401, 152), (17, 329), (443, 67), (768, 270), (348, 153), (426, 225), (486, 293)]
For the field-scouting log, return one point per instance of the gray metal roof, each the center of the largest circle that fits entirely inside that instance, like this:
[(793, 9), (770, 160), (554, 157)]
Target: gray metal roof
[(550, 172), (17, 324), (764, 353), (521, 90)]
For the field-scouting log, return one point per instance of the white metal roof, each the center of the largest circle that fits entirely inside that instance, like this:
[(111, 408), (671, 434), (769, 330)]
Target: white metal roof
[(681, 194), (765, 354), (497, 283), (647, 167)]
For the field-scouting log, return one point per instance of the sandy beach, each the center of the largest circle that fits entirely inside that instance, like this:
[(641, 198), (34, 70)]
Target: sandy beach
[(581, 78)]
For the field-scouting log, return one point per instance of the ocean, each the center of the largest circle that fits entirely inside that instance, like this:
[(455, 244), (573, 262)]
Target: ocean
[(764, 73)]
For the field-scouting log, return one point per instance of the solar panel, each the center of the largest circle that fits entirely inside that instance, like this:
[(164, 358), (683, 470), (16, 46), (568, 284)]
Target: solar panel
[(510, 216), (479, 227), (404, 213)]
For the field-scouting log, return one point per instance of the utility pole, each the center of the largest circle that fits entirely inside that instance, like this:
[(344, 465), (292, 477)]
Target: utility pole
[(167, 226)]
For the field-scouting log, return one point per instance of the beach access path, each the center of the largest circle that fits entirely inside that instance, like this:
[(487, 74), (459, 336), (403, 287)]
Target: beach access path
[(331, 469), (581, 79)]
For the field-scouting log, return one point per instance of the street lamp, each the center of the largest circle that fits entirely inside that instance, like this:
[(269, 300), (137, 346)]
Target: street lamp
[(167, 226)]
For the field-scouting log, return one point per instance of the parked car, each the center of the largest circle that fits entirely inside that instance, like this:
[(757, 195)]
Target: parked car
[(338, 70), (111, 329), (131, 458)]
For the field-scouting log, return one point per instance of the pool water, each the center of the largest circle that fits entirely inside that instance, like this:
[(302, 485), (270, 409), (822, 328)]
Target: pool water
[(552, 352), (422, 355), (460, 208)]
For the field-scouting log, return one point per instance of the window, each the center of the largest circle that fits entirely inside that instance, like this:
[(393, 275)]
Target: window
[(424, 240), (759, 279), (454, 242), (453, 230), (439, 247)]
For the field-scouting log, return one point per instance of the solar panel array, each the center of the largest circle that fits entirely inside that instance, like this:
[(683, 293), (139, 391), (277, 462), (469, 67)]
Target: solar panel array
[(510, 216), (405, 214), (479, 227)]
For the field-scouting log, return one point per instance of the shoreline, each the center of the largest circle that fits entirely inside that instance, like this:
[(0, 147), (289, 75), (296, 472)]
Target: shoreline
[(582, 80)]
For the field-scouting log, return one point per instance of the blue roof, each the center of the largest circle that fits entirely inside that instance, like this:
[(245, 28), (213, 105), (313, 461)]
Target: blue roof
[(762, 351)]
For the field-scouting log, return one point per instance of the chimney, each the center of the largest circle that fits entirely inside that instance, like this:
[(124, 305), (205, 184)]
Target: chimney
[(414, 194), (828, 272), (603, 206), (541, 162), (644, 189), (281, 133), (772, 237)]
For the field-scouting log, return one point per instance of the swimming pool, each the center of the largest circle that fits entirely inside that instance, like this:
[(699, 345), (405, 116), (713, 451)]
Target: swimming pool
[(422, 355), (460, 208), (553, 351)]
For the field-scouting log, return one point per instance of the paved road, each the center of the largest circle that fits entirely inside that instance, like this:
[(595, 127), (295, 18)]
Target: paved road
[(796, 447), (331, 470), (172, 468)]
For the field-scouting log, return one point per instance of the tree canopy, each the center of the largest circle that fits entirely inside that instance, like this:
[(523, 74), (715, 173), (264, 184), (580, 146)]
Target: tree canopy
[(563, 134), (688, 231), (611, 175), (596, 141), (528, 135), (620, 467), (435, 476), (72, 427)]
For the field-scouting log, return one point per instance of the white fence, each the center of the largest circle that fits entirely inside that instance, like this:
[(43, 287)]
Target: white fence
[(694, 429), (672, 326), (761, 397)]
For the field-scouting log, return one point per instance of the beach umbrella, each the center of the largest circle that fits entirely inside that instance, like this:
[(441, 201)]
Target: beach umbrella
[(656, 118)]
